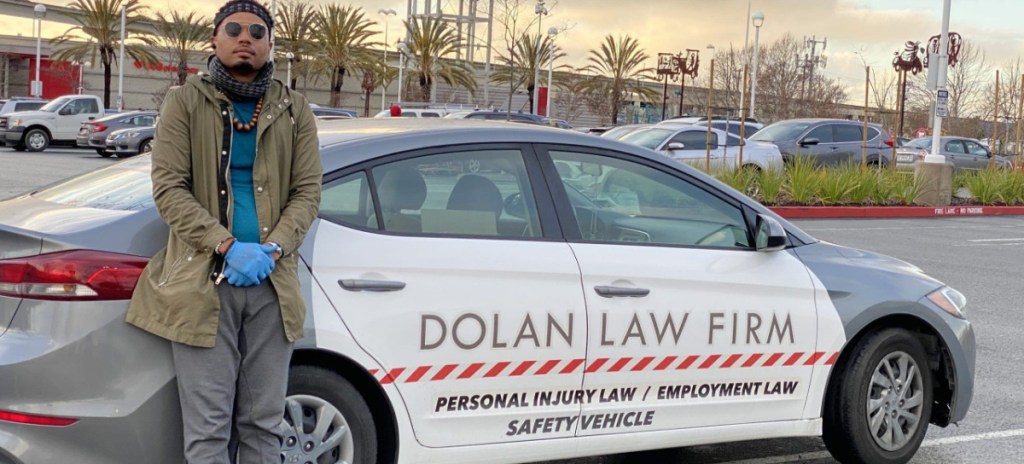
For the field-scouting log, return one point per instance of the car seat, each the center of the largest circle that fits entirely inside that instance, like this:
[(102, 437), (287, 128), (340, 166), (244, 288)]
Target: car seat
[(481, 203), (400, 188)]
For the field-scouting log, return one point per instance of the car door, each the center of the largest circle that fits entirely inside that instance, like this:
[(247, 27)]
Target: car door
[(72, 115), (978, 156), (848, 140), (822, 153), (688, 326), (463, 295), (694, 151), (956, 153)]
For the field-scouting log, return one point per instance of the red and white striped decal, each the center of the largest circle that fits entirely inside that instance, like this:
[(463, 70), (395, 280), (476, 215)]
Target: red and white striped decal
[(507, 369)]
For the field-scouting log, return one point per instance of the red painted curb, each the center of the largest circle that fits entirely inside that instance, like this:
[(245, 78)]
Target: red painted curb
[(833, 212)]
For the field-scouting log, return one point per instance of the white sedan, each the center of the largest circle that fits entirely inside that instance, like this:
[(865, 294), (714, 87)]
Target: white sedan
[(689, 144)]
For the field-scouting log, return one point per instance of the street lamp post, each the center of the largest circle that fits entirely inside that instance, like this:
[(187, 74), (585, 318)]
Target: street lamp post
[(552, 32), (81, 76), (290, 57), (758, 20), (37, 85), (387, 14), (402, 50), (541, 10)]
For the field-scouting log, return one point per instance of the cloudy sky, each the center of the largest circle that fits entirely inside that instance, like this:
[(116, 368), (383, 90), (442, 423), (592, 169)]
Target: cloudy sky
[(873, 29)]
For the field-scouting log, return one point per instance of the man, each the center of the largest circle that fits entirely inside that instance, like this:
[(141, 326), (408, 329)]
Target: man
[(236, 176)]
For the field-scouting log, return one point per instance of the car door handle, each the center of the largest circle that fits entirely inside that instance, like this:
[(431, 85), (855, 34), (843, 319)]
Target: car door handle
[(362, 285), (609, 291)]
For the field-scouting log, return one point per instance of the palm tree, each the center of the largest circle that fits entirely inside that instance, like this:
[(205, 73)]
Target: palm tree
[(181, 34), (621, 61), (429, 42), (343, 34), (525, 59), (295, 31), (100, 20)]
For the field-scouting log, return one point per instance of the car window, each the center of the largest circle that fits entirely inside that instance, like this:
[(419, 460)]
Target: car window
[(823, 133), (476, 193), (647, 138), (347, 201), (695, 140), (144, 120), (125, 186), (430, 114), (975, 148), (872, 133), (849, 133), (781, 132), (27, 106), (732, 140), (616, 200), (955, 146), (924, 142)]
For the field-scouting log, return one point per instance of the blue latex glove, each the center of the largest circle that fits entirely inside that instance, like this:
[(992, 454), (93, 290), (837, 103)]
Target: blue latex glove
[(251, 260), (237, 279)]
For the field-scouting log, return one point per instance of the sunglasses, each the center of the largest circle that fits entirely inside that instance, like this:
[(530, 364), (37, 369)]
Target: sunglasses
[(256, 31)]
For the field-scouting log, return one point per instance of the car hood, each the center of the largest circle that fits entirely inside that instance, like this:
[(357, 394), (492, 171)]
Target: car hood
[(866, 277), (31, 115)]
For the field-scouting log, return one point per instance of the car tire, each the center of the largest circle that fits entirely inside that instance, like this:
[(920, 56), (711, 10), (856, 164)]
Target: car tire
[(104, 153), (865, 420), (146, 146), (316, 394), (36, 140), (20, 147)]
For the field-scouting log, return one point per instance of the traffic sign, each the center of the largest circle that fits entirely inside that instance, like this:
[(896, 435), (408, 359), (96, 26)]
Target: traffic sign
[(942, 103)]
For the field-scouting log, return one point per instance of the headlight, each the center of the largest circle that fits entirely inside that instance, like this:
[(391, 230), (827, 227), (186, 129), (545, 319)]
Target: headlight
[(131, 135), (15, 122), (949, 300)]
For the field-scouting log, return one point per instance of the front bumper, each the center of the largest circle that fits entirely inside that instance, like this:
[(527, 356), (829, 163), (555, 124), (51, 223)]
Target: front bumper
[(12, 136)]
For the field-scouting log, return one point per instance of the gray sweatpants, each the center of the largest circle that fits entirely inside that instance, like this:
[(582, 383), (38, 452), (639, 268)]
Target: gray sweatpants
[(244, 374)]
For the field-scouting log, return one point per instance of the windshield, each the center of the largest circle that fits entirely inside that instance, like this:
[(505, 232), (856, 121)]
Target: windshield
[(125, 186), (647, 138), (924, 142), (618, 132), (55, 105), (780, 132)]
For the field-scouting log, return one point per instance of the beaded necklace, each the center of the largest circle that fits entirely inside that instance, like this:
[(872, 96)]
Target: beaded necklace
[(246, 127)]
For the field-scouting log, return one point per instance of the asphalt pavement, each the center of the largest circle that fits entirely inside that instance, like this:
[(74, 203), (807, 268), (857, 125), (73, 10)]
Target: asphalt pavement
[(980, 256)]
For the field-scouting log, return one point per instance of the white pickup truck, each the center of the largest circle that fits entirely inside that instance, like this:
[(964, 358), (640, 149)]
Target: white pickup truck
[(56, 122)]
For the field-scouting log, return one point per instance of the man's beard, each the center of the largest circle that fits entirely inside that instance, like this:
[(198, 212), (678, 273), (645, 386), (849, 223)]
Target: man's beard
[(243, 68)]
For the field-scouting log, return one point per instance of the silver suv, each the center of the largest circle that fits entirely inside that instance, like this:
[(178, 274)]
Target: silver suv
[(20, 104), (827, 141)]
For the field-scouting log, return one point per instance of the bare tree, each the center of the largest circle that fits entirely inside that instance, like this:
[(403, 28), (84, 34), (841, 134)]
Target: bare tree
[(571, 97), (778, 93)]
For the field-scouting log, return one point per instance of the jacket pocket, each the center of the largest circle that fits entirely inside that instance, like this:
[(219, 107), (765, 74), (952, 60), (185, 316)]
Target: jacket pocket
[(170, 271)]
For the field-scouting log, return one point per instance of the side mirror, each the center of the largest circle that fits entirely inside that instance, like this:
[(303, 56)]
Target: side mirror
[(770, 235), (92, 118), (514, 205), (676, 146), (64, 111), (809, 141)]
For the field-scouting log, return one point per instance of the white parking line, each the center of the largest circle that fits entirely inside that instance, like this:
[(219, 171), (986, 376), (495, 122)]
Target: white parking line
[(997, 240), (927, 443)]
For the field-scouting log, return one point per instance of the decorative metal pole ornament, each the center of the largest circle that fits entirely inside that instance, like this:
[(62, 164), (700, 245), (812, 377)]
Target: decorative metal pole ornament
[(906, 60), (687, 65), (667, 68), (955, 42)]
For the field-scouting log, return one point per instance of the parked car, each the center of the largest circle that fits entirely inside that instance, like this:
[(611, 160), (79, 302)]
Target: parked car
[(125, 143), (688, 143), (488, 115), (559, 123), (58, 122), (616, 133), (733, 127), (577, 296), (827, 141), (962, 153), (93, 134), (415, 113), (333, 113), (15, 104)]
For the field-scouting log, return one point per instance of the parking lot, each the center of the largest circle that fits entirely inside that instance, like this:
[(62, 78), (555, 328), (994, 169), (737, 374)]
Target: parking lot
[(980, 256)]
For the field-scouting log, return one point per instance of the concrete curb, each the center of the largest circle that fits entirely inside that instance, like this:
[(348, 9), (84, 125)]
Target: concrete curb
[(837, 212)]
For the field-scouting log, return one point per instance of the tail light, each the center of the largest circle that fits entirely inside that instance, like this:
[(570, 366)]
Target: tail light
[(890, 142), (76, 275), (921, 153), (33, 419), (97, 127)]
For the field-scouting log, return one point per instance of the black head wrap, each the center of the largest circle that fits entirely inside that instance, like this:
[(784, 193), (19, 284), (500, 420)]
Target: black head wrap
[(243, 6)]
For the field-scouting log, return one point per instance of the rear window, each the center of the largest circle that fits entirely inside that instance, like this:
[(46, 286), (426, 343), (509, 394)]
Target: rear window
[(925, 142), (781, 132), (28, 106), (125, 186)]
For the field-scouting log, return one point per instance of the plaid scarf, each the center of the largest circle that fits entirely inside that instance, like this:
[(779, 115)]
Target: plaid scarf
[(235, 89)]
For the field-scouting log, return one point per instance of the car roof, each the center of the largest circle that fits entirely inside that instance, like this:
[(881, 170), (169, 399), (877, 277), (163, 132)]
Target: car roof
[(352, 141)]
